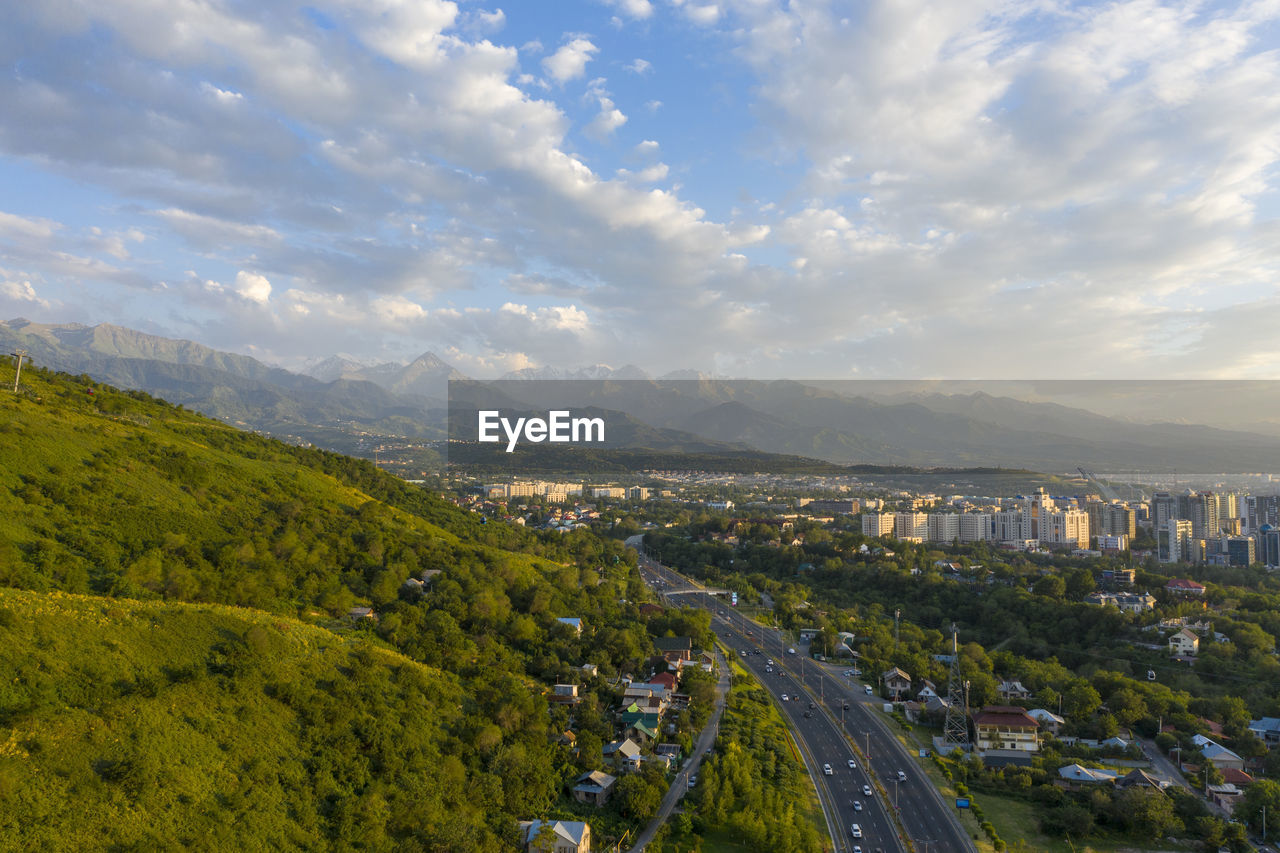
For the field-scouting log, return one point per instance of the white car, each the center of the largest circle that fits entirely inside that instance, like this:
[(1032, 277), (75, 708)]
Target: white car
[(853, 765), (866, 790), (857, 805), (784, 697), (855, 831), (902, 777), (826, 769)]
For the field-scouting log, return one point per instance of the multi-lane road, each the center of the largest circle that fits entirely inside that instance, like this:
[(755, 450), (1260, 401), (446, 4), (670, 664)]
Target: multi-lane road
[(829, 713)]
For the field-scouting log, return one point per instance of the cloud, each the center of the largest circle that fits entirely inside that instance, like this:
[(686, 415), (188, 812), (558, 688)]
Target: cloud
[(639, 66), (639, 9), (20, 291), (570, 61), (253, 287)]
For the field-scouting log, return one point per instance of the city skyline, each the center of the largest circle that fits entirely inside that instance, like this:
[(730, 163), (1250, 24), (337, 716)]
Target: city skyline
[(743, 188)]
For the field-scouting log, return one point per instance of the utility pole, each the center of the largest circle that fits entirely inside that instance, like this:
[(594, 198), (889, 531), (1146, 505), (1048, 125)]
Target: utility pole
[(19, 355), (897, 612)]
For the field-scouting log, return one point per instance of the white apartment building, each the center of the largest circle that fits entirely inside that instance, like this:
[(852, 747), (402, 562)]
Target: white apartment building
[(877, 523), (911, 525), (1065, 527), (944, 527), (975, 526)]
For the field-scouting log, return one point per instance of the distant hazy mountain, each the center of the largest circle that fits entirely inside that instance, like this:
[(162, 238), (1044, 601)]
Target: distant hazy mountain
[(426, 376), (834, 422), (597, 371), (234, 388)]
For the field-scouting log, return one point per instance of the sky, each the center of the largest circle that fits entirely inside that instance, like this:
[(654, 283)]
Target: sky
[(751, 188)]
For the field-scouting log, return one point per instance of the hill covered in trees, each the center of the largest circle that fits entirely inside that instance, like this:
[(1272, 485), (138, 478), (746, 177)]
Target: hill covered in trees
[(180, 658)]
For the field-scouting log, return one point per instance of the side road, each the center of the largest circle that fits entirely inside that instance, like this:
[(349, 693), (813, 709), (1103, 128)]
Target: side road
[(680, 784)]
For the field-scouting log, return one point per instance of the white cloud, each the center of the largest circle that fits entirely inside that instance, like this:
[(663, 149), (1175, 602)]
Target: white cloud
[(20, 291), (639, 66), (640, 9), (253, 286), (570, 61)]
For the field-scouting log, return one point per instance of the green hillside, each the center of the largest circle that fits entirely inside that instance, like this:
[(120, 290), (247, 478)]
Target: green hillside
[(161, 725), (155, 715)]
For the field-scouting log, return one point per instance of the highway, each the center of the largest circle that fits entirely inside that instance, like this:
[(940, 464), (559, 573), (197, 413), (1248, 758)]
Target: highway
[(927, 819)]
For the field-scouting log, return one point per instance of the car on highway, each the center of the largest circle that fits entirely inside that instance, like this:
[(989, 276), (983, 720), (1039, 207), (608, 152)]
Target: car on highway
[(845, 706), (857, 849), (867, 688), (693, 781), (826, 769), (853, 765), (855, 831), (902, 777), (811, 706), (768, 669), (857, 805), (784, 697), (866, 790), (808, 714)]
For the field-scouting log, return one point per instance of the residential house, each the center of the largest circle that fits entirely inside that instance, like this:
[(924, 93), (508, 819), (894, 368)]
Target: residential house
[(1236, 777), (1267, 729), (1048, 720), (674, 649), (1224, 796), (670, 749), (1139, 778), (896, 682), (623, 754), (561, 836), (1074, 775), (1013, 691), (1009, 731), (1184, 587), (1129, 602), (564, 694), (1217, 753), (927, 691), (642, 732), (666, 679), (590, 670), (574, 622), (356, 614), (594, 787), (1184, 644)]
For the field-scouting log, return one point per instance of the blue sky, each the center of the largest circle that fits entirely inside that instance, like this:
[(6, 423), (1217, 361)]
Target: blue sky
[(749, 188)]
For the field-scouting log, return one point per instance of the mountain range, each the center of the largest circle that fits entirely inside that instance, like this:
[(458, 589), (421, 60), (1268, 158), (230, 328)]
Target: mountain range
[(347, 405)]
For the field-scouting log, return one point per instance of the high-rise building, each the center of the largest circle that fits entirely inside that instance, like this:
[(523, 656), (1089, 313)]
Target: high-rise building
[(1121, 521), (1240, 550), (877, 523), (1173, 541), (1164, 507), (1064, 527), (944, 527), (1269, 546), (1262, 509), (1009, 526), (1228, 506), (975, 526), (911, 525), (1201, 509)]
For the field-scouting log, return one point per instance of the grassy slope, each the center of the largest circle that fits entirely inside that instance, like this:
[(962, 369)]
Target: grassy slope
[(159, 717), (160, 724)]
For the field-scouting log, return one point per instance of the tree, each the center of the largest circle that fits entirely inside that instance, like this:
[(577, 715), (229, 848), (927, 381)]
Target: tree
[(1263, 793), (1051, 586)]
